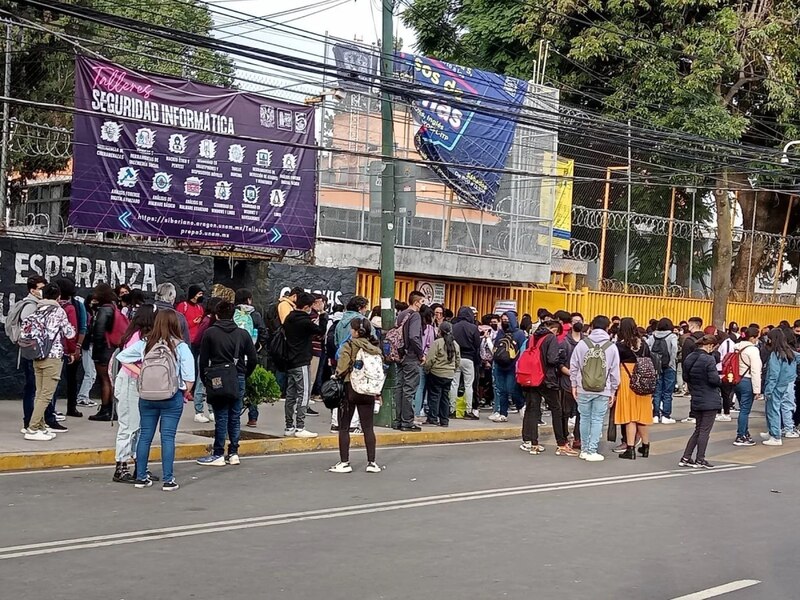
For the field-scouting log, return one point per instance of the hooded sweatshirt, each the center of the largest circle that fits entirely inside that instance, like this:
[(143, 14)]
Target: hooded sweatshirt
[(750, 365), (598, 337), (466, 334), (672, 345), (350, 352), (566, 348), (299, 330), (258, 322), (513, 329), (343, 327), (218, 346), (550, 355)]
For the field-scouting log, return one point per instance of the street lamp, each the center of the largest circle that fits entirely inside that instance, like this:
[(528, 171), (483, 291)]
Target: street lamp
[(785, 156), (334, 93)]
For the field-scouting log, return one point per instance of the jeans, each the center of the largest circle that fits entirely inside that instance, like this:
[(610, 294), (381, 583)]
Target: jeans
[(199, 394), (409, 373), (662, 397), (126, 392), (507, 390), (89, 374), (744, 391), (533, 414), (29, 393), (702, 431), (773, 411), (298, 395), (439, 399), (467, 372), (228, 421), (168, 413), (422, 391), (592, 408), (48, 374), (788, 406)]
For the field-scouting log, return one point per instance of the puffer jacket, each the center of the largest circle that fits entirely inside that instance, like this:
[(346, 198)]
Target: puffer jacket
[(701, 375)]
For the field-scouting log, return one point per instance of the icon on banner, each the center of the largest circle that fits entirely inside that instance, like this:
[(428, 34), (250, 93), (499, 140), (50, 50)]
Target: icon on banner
[(300, 122), (177, 143), (193, 186), (267, 114), (162, 182), (275, 235), (250, 194), (289, 162), (110, 131), (145, 138), (236, 153), (127, 177), (264, 158), (277, 198), (208, 149), (124, 219), (285, 120), (222, 191)]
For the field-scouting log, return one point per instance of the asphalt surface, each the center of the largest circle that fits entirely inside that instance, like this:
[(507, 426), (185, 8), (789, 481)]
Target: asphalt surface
[(470, 521)]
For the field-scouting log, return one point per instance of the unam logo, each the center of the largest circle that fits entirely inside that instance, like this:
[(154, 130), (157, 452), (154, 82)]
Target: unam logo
[(193, 186), (110, 131), (267, 114)]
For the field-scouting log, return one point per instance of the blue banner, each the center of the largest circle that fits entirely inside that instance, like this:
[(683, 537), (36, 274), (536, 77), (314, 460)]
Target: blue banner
[(471, 140)]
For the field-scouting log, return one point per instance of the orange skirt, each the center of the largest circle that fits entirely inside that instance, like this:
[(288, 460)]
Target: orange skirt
[(630, 407)]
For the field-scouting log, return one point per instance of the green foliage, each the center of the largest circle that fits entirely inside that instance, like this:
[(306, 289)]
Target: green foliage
[(261, 387)]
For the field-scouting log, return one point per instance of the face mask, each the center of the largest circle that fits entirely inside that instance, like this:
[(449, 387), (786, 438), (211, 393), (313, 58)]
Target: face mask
[(577, 327), (493, 326), (200, 300), (506, 326)]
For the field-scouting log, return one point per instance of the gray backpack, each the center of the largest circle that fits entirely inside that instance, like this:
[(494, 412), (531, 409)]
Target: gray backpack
[(14, 319), (158, 379)]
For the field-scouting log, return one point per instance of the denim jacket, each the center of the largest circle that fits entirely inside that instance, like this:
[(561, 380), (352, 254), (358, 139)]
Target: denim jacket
[(780, 375)]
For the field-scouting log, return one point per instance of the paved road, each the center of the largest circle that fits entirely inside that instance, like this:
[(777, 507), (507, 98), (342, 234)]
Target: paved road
[(466, 521)]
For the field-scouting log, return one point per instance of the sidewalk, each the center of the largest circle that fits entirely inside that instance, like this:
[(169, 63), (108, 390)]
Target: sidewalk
[(92, 443)]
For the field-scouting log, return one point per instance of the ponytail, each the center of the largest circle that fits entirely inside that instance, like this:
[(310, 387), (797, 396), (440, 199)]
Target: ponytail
[(446, 333)]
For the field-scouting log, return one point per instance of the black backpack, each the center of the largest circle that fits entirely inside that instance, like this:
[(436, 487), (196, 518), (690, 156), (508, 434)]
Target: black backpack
[(272, 320), (279, 350), (660, 353)]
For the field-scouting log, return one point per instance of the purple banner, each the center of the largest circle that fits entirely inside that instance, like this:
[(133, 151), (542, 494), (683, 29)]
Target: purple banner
[(165, 157)]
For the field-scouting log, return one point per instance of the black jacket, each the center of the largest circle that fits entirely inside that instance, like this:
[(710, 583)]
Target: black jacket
[(299, 328), (466, 334), (551, 355), (218, 347), (700, 374), (566, 348), (102, 323), (690, 345)]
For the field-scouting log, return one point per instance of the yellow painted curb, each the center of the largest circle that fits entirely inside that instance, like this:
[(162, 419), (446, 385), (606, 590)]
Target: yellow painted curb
[(23, 461)]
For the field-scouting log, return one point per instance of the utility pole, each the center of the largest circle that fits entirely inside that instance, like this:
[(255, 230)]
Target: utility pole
[(388, 234), (4, 150)]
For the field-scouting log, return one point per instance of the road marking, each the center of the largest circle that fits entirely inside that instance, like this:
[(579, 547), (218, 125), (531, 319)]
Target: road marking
[(720, 590), (131, 537), (757, 454)]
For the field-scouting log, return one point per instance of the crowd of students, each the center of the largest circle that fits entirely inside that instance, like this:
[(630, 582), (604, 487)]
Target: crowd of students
[(150, 357)]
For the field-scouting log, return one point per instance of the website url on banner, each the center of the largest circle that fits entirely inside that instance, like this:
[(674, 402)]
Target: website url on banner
[(204, 228)]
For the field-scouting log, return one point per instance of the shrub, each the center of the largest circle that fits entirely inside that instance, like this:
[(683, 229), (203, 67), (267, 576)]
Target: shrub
[(261, 387)]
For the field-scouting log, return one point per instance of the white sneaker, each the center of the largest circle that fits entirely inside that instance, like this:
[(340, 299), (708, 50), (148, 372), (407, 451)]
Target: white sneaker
[(87, 403), (669, 421), (211, 417), (60, 417), (40, 436), (47, 430), (289, 432), (356, 431), (525, 446), (373, 468), (656, 420), (791, 433), (305, 434), (688, 420), (501, 419), (595, 457), (583, 455), (773, 442), (765, 436), (722, 417), (341, 467), (201, 418), (571, 422), (494, 416), (233, 459)]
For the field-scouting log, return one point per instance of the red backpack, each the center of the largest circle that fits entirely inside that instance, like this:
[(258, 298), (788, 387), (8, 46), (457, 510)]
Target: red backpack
[(731, 371), (118, 329), (530, 366)]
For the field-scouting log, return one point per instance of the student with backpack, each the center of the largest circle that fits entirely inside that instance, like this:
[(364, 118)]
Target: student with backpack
[(108, 327), (537, 373), (781, 375), (664, 351), (744, 370), (338, 334), (702, 377), (126, 393), (360, 366), (507, 345), (76, 314), (569, 406), (227, 358), (18, 312), (165, 366), (409, 369), (41, 340), (246, 317), (594, 374), (199, 393), (634, 400), (442, 362)]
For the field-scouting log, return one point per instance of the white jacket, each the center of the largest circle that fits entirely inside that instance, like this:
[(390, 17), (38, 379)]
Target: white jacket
[(751, 366)]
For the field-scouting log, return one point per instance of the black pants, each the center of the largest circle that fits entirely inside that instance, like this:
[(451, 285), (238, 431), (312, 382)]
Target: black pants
[(702, 431), (365, 412), (438, 399), (727, 398), (569, 408), (533, 414)]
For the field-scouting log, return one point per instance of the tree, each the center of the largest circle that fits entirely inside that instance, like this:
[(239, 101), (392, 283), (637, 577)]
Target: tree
[(726, 71)]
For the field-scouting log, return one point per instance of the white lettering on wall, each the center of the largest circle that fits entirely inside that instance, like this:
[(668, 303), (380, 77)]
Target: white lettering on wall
[(86, 273)]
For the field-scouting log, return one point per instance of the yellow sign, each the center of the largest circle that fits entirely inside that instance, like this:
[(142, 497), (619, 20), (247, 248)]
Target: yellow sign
[(562, 213)]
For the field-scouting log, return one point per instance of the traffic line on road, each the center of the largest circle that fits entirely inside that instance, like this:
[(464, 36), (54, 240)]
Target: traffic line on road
[(100, 541), (720, 590)]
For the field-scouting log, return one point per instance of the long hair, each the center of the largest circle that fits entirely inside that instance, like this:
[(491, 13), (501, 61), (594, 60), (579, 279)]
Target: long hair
[(426, 314), (776, 341), (446, 333), (142, 323), (166, 328), (363, 327), (629, 333)]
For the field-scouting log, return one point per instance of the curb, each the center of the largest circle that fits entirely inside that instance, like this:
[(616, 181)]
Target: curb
[(25, 461)]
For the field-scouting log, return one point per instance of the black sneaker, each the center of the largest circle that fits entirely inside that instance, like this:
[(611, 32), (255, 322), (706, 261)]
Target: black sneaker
[(150, 476), (170, 486), (703, 464), (58, 427), (470, 416), (124, 477), (311, 412), (743, 441), (686, 462), (140, 484)]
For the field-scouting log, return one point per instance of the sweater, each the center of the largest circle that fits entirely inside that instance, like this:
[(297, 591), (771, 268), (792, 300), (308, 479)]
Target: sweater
[(57, 325), (436, 362), (193, 313)]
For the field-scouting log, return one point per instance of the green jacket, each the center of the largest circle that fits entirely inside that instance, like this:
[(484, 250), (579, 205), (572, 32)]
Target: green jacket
[(349, 353), (436, 362)]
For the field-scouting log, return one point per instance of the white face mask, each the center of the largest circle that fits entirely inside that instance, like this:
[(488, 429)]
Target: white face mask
[(37, 293)]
